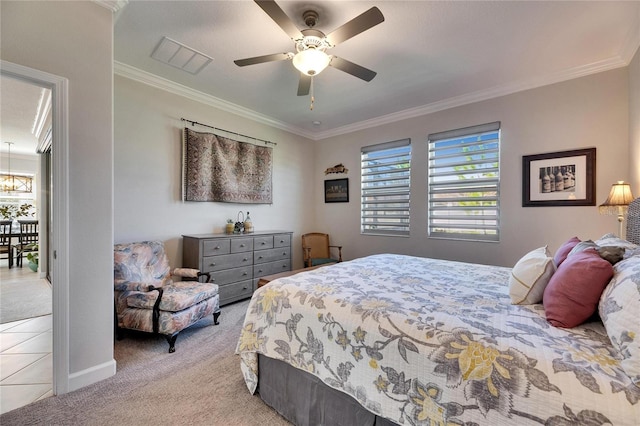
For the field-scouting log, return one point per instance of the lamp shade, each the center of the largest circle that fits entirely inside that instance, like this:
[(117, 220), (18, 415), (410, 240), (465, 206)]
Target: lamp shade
[(311, 61), (619, 197)]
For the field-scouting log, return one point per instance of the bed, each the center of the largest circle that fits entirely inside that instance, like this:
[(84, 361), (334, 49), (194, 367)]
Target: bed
[(394, 339)]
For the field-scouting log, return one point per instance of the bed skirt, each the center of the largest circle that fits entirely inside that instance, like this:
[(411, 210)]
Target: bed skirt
[(303, 399)]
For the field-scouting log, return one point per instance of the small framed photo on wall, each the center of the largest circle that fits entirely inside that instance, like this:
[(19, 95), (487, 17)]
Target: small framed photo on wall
[(336, 191)]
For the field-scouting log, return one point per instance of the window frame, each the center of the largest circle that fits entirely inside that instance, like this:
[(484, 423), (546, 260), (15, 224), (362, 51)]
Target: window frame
[(400, 210), (454, 140)]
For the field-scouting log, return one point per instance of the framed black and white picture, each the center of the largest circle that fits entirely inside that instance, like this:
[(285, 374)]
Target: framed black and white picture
[(566, 178)]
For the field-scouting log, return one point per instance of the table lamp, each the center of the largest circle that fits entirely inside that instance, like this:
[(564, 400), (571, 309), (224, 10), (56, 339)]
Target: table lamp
[(617, 203)]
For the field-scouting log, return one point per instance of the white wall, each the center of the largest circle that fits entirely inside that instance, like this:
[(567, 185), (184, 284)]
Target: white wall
[(147, 172), (586, 112), (634, 123), (75, 40)]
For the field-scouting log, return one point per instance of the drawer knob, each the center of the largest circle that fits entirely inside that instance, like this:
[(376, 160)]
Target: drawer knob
[(259, 271), (284, 266), (244, 274), (241, 245), (217, 247), (245, 259), (259, 257), (263, 243), (282, 241), (212, 264), (244, 288)]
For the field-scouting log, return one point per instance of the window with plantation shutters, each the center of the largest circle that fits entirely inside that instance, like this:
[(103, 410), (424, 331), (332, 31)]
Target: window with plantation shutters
[(386, 170), (464, 183)]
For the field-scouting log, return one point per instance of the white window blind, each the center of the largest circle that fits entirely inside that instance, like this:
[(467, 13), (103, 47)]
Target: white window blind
[(464, 183), (386, 170)]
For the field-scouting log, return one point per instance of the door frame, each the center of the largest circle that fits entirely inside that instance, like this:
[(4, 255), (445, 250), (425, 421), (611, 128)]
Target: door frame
[(59, 255)]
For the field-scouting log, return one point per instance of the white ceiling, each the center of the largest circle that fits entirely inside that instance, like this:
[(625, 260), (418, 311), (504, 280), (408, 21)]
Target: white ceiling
[(429, 55), (20, 108)]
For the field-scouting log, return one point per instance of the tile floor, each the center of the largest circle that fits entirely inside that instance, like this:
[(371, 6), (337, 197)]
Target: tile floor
[(26, 363)]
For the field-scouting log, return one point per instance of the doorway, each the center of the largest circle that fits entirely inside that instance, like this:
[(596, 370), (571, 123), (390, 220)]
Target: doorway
[(26, 319), (57, 233)]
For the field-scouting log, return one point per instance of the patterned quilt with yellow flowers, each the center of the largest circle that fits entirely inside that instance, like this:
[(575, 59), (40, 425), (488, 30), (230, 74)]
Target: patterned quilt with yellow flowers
[(431, 342)]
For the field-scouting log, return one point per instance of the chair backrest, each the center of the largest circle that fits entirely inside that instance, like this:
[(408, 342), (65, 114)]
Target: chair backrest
[(144, 262), (633, 221), (5, 233), (28, 232), (319, 244)]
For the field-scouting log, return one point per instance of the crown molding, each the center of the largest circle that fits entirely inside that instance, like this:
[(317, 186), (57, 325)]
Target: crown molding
[(161, 83), (153, 80), (478, 96), (112, 5)]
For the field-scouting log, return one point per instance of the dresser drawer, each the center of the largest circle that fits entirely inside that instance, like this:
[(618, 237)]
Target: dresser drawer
[(263, 256), (236, 291), (265, 242), (281, 240), (215, 247), (226, 261), (239, 245), (271, 268), (229, 276)]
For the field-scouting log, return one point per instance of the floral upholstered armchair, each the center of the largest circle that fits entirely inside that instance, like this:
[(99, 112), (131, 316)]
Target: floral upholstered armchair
[(147, 299)]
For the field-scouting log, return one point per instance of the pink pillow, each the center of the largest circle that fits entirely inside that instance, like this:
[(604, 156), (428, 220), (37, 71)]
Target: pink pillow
[(573, 292), (563, 251)]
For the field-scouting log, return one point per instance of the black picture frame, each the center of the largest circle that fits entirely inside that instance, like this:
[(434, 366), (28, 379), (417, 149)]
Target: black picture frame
[(574, 174), (336, 190)]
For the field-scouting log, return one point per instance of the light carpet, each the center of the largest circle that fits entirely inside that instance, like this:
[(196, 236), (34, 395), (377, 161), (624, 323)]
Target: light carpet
[(199, 384), (21, 299)]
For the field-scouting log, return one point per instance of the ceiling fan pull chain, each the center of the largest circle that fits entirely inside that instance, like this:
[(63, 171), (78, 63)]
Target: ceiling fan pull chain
[(312, 98)]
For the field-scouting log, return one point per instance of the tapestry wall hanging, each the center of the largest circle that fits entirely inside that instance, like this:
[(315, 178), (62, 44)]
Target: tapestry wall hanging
[(220, 169)]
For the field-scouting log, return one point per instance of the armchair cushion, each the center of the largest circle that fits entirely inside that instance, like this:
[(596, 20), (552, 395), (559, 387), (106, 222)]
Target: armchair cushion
[(175, 297), (126, 285)]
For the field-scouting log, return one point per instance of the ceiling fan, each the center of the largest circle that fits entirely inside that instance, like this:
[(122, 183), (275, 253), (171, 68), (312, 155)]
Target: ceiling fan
[(311, 44)]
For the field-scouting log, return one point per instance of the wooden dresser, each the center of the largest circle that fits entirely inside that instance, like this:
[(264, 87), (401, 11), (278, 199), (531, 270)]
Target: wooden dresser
[(237, 261)]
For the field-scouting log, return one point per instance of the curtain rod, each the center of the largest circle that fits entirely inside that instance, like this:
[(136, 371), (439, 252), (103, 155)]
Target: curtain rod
[(228, 131)]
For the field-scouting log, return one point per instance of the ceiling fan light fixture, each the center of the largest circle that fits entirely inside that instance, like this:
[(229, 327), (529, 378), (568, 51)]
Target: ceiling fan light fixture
[(311, 61)]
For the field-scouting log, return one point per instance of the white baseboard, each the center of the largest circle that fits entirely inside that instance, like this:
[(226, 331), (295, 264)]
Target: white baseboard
[(92, 375)]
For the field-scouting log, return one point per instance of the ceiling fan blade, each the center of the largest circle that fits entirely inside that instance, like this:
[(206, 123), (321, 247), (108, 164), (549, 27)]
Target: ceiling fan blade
[(304, 85), (262, 59), (360, 23), (353, 69), (272, 9)]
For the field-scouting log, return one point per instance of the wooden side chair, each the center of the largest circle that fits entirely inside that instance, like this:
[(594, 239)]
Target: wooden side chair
[(316, 250), (28, 239), (5, 241)]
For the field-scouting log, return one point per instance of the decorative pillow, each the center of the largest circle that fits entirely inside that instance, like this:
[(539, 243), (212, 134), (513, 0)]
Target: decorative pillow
[(574, 290), (619, 309), (582, 246), (530, 276), (611, 254), (563, 251), (611, 240)]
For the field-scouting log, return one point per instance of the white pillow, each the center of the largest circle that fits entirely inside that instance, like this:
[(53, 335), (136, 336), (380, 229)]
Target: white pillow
[(619, 308), (530, 276)]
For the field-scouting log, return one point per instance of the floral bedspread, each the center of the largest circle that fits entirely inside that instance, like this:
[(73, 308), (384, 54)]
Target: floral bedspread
[(431, 342)]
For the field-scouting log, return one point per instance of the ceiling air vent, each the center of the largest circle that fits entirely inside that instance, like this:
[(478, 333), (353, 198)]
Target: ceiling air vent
[(180, 56)]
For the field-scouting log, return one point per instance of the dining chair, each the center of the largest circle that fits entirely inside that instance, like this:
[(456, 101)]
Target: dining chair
[(27, 239), (5, 240)]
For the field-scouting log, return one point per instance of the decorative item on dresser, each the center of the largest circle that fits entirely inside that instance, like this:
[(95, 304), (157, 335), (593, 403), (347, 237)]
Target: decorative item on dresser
[(236, 262)]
